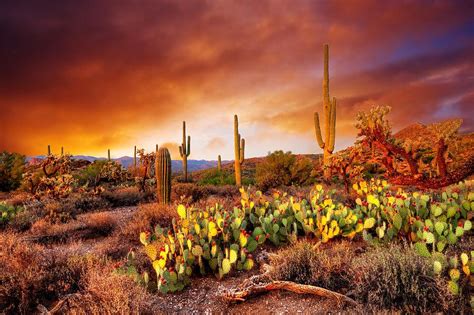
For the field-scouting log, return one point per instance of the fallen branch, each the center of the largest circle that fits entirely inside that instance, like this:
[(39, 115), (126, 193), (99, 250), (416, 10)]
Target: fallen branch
[(233, 296)]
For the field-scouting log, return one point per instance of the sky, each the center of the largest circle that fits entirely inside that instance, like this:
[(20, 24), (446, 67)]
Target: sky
[(94, 75)]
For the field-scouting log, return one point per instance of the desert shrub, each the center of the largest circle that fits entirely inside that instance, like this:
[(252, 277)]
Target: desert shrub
[(283, 169), (31, 274), (59, 211), (101, 223), (18, 198), (90, 175), (198, 192), (146, 218), (214, 177), (129, 196), (396, 277), (303, 263), (11, 170), (103, 292), (86, 202)]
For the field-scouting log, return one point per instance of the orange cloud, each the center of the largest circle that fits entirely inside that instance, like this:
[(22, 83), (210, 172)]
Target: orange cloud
[(95, 75)]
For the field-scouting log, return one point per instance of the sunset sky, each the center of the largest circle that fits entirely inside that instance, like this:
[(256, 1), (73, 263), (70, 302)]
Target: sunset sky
[(93, 75)]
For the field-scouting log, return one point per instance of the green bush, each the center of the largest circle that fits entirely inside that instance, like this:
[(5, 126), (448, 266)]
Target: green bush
[(11, 170), (214, 177), (283, 169), (8, 212), (90, 174)]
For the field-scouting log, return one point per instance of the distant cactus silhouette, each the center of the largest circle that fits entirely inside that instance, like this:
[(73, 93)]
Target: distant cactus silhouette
[(239, 150), (329, 111), (184, 151), (62, 151), (219, 163), (163, 175), (49, 150), (108, 154)]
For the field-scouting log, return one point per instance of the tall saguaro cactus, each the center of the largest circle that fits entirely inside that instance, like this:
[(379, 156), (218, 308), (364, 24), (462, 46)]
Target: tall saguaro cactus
[(108, 155), (219, 163), (329, 111), (135, 156), (62, 151), (163, 175), (49, 150), (239, 151), (184, 151)]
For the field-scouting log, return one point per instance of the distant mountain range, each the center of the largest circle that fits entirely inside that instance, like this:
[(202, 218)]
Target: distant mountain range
[(126, 161)]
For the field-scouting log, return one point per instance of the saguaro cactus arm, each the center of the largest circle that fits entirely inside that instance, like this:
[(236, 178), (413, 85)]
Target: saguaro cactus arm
[(317, 128), (332, 126), (185, 147), (242, 150)]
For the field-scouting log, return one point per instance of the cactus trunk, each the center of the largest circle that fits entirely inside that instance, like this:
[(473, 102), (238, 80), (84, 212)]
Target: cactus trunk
[(62, 151), (239, 151), (329, 111), (163, 175), (135, 156), (108, 155), (49, 149), (184, 151), (219, 163)]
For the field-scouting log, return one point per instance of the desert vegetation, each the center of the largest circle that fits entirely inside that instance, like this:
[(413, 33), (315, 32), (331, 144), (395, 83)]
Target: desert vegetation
[(383, 225)]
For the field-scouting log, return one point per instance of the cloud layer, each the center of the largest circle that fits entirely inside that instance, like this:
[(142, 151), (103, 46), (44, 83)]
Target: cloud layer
[(93, 75)]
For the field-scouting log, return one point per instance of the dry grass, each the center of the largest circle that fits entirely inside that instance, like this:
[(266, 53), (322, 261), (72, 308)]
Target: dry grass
[(104, 292), (122, 197), (87, 226), (303, 263), (395, 277), (30, 274), (146, 218)]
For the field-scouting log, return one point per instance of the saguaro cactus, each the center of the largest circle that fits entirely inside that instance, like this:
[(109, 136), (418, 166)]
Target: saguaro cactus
[(49, 150), (135, 156), (184, 151), (108, 155), (62, 151), (329, 111), (239, 150), (163, 175), (219, 163)]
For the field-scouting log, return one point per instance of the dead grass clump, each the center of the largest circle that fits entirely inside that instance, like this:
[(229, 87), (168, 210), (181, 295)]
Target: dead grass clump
[(146, 218), (303, 263), (103, 292), (85, 202), (123, 197), (31, 275), (198, 192), (395, 277), (100, 223)]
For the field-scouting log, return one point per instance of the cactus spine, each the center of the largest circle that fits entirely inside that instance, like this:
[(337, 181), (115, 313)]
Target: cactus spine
[(219, 163), (135, 156), (329, 111), (239, 150), (184, 151), (49, 150), (163, 175), (108, 155)]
